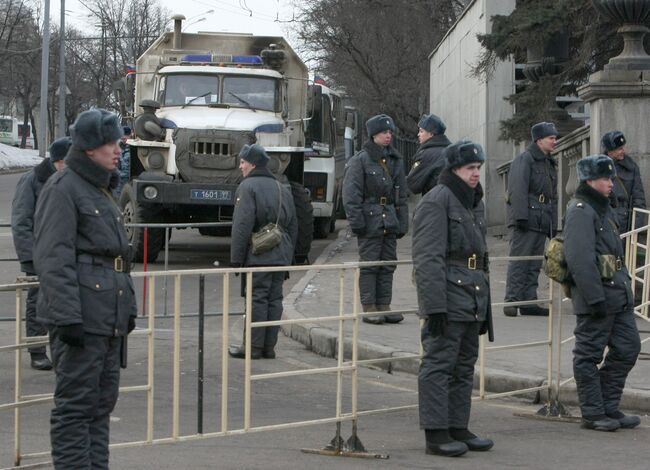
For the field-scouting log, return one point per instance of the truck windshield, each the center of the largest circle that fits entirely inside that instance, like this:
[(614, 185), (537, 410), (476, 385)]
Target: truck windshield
[(191, 90), (250, 92), (6, 125)]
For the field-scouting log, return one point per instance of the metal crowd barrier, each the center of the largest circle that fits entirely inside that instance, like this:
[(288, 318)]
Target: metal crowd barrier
[(343, 366)]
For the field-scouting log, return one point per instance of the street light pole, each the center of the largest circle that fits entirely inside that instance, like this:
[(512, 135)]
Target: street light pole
[(62, 87), (45, 64)]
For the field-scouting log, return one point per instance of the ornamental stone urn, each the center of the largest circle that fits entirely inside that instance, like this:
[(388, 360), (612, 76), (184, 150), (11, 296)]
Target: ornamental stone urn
[(630, 14)]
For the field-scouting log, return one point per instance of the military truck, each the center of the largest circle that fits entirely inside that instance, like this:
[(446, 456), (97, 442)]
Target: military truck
[(195, 100)]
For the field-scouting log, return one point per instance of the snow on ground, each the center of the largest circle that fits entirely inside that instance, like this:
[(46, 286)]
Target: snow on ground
[(12, 157)]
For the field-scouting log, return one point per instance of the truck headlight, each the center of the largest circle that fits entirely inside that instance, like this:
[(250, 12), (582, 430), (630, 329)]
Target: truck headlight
[(150, 192), (156, 161)]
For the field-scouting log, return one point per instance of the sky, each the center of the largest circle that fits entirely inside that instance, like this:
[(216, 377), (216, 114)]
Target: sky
[(262, 17)]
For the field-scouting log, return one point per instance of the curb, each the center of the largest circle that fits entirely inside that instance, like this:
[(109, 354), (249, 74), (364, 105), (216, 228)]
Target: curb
[(324, 341)]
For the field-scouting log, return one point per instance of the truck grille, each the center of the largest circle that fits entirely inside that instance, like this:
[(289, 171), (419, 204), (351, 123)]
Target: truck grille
[(212, 148)]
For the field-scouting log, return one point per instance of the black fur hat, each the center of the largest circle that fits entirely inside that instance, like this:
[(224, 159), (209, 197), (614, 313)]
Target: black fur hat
[(432, 123), (94, 128), (254, 154), (59, 148), (541, 130), (379, 123), (594, 167), (612, 140), (462, 153)]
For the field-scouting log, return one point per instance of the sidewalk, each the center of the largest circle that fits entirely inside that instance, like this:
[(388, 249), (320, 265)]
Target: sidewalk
[(317, 294)]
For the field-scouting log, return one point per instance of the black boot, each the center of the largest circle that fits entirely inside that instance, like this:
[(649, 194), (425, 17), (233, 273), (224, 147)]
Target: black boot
[(40, 361), (239, 352), (626, 422), (534, 311), (268, 353), (394, 318), (600, 423), (440, 443), (472, 441), (509, 311), (374, 319)]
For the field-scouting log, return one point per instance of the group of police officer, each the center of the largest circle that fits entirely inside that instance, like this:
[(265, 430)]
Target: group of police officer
[(451, 267)]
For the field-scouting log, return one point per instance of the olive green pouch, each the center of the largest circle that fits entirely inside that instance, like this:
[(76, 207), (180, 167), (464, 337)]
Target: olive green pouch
[(607, 265)]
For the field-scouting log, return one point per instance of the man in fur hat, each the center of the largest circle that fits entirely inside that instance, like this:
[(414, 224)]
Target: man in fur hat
[(23, 207), (374, 197), (602, 299), (532, 215), (82, 257), (451, 272), (428, 159)]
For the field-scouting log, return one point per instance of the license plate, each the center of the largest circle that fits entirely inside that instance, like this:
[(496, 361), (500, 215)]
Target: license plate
[(211, 194)]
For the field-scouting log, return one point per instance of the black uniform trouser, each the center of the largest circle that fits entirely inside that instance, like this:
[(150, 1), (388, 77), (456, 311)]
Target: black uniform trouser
[(376, 282), (87, 385), (446, 376), (522, 277), (32, 326), (267, 306), (599, 391)]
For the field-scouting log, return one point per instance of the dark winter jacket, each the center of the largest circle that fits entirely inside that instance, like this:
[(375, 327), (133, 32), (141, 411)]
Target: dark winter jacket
[(375, 199), (23, 207), (428, 165), (78, 234), (627, 193), (532, 191), (448, 230), (590, 230), (256, 204)]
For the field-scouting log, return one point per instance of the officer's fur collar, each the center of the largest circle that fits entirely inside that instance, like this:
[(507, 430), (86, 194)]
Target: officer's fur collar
[(435, 141), (44, 170), (260, 171), (80, 163), (469, 197), (626, 163), (538, 155), (592, 197), (377, 151)]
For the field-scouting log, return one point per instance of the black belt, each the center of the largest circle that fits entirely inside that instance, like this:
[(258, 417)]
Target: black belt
[(472, 262), (382, 201), (117, 264)]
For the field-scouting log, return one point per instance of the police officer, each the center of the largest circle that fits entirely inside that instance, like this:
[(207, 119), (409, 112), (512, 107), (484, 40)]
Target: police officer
[(428, 159), (374, 197), (601, 297), (86, 299), (532, 214), (628, 190), (259, 200), (451, 263), (22, 228)]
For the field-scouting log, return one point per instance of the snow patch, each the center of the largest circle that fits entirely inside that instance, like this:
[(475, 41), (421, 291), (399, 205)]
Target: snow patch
[(12, 157)]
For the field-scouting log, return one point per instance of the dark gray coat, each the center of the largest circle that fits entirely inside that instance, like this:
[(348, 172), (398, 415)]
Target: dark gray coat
[(23, 207), (628, 192), (78, 231), (428, 165), (589, 231), (446, 229), (532, 190), (256, 204), (366, 182)]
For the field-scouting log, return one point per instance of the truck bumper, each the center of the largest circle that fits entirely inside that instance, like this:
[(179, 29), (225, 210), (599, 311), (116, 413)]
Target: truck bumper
[(170, 193), (323, 209)]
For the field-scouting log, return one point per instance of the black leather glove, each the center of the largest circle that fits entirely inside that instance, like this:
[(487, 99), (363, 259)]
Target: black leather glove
[(131, 326), (72, 335), (521, 224), (236, 265), (400, 235), (359, 232), (484, 328), (437, 324), (28, 268), (599, 310)]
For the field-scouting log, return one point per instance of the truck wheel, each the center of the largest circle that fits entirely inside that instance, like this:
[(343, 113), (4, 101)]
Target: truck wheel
[(135, 213), (322, 227), (305, 216), (215, 231)]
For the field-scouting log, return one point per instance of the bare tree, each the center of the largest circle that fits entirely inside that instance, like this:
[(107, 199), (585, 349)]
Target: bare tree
[(377, 50)]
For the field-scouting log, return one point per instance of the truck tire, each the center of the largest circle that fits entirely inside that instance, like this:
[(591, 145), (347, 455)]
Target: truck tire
[(305, 216), (133, 212), (215, 231), (322, 227)]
